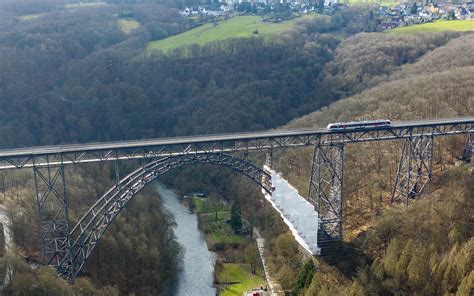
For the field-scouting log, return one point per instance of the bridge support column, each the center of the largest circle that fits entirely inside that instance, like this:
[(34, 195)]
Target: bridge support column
[(51, 196), (269, 159), (326, 193), (414, 169), (469, 148)]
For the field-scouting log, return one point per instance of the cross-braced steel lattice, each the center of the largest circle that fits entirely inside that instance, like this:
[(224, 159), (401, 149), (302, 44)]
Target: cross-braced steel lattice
[(325, 191), (469, 148), (51, 196), (86, 234), (414, 169)]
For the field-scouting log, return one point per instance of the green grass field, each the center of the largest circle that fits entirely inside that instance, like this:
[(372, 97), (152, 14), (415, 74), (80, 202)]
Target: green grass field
[(128, 25), (205, 205), (221, 215), (438, 26), (238, 273), (239, 26)]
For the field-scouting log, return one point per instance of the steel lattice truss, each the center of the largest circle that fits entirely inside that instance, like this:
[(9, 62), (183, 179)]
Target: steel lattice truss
[(414, 169), (469, 149), (88, 231), (157, 148), (53, 213), (68, 250), (326, 188)]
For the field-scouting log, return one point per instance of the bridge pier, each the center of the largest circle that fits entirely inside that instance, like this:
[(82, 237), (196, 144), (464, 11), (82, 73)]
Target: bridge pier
[(414, 169), (326, 193), (51, 196), (468, 149)]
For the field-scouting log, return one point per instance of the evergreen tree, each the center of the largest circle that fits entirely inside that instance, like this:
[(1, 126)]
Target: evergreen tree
[(235, 217), (321, 6), (305, 276), (414, 9)]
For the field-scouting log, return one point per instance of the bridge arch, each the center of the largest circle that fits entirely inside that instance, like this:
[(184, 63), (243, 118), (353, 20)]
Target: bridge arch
[(87, 233)]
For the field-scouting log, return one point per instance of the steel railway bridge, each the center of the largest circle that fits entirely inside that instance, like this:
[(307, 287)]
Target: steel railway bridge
[(68, 247)]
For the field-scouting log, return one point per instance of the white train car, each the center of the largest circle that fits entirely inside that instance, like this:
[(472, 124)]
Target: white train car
[(359, 124)]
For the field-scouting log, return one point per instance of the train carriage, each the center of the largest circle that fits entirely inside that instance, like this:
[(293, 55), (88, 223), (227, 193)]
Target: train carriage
[(359, 124)]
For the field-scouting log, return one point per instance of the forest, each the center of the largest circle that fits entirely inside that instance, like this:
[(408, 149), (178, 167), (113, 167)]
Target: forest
[(66, 72), (74, 76)]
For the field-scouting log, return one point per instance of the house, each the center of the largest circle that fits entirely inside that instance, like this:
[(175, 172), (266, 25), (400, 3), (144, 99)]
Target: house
[(433, 8), (470, 6), (185, 12)]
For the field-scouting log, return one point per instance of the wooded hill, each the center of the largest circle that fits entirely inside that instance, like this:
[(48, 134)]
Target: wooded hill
[(428, 248)]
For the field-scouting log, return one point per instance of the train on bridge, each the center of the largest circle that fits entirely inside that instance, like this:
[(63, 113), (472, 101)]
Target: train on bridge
[(359, 124)]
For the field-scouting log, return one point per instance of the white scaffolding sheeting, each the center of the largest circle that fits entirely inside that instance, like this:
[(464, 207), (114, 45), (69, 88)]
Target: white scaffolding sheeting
[(296, 212)]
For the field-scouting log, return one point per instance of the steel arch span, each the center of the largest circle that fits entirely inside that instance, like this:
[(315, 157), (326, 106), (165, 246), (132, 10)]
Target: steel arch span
[(88, 231)]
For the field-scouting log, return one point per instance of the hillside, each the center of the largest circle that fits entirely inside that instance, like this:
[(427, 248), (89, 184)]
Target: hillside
[(437, 85), (414, 91), (457, 53), (410, 93), (236, 27), (397, 77)]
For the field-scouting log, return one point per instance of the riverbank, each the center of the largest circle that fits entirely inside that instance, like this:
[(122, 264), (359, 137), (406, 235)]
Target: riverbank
[(196, 276), (238, 267)]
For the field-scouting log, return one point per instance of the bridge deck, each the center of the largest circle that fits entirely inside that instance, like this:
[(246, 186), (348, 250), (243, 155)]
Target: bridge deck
[(136, 149)]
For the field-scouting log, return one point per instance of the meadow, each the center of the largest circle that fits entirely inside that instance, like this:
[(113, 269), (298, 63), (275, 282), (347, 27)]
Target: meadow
[(128, 25), (241, 276), (239, 26), (438, 26)]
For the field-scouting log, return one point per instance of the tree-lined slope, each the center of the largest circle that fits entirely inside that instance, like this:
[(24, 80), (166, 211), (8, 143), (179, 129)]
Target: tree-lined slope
[(400, 251)]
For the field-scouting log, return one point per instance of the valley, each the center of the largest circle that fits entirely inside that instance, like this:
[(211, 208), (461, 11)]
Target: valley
[(75, 76)]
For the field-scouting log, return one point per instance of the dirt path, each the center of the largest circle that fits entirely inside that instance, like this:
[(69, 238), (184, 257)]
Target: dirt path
[(273, 285)]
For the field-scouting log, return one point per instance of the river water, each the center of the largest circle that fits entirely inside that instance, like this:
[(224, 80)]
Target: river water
[(196, 277)]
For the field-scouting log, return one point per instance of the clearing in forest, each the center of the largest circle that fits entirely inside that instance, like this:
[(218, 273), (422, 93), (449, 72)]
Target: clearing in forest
[(239, 26), (128, 25)]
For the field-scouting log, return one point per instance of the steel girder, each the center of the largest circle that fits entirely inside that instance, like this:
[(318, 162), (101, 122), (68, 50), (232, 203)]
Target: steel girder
[(158, 148), (469, 148), (326, 191), (89, 230), (414, 170), (51, 196)]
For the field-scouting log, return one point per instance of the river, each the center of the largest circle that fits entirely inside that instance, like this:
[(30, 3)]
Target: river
[(196, 277)]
